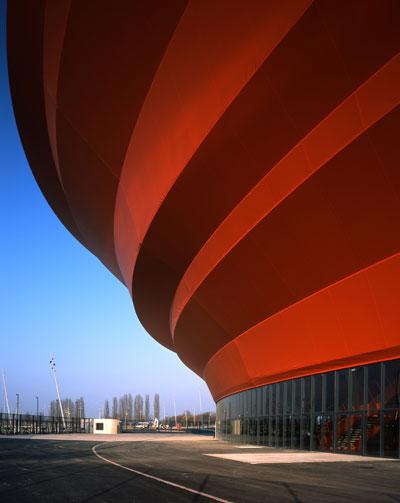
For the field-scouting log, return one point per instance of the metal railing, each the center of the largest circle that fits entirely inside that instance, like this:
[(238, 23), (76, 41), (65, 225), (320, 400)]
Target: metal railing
[(26, 424)]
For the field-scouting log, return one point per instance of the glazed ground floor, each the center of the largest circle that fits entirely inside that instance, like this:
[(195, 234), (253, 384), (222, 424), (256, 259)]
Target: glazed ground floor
[(353, 410)]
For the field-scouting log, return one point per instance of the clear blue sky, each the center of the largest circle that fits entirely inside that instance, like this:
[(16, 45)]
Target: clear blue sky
[(58, 298)]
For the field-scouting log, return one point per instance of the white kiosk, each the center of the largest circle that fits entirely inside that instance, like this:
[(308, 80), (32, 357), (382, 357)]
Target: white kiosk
[(106, 426)]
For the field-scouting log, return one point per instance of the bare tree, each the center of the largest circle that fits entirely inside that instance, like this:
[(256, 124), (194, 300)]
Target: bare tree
[(71, 408), (81, 406), (78, 408), (138, 407), (68, 407), (115, 408), (106, 410), (147, 408), (156, 406), (130, 406), (53, 409), (121, 407)]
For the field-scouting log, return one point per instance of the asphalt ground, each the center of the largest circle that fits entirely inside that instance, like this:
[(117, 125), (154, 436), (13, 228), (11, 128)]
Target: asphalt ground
[(71, 471)]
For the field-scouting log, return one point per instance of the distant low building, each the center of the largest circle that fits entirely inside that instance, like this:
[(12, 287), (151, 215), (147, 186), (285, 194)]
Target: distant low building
[(106, 426)]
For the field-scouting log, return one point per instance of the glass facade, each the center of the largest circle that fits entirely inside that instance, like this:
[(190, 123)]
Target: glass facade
[(353, 410)]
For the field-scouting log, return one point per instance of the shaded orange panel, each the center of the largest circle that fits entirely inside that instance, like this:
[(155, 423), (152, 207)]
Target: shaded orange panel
[(91, 190), (341, 326), (341, 220), (55, 24), (369, 103), (110, 54), (214, 52), (268, 117)]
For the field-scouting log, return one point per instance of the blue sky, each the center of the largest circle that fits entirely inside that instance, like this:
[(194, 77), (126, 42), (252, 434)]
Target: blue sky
[(58, 298)]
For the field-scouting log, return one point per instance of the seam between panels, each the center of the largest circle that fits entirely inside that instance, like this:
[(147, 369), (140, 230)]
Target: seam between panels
[(304, 299), (46, 90), (310, 370), (123, 167), (245, 83), (302, 180), (249, 76)]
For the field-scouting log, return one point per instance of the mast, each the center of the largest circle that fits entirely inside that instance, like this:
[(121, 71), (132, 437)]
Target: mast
[(5, 393), (53, 369)]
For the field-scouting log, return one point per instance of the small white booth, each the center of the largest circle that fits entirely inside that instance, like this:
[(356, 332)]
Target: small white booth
[(106, 426)]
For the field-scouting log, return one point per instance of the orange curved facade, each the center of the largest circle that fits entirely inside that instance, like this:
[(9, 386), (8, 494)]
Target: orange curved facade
[(235, 164)]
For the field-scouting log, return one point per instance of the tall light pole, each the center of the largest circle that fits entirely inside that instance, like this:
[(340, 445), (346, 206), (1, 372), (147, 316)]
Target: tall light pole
[(37, 415), (5, 394), (200, 410), (17, 421), (175, 414), (53, 369)]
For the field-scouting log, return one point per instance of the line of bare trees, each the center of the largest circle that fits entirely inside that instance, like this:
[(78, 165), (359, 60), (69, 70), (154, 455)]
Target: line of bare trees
[(70, 408), (129, 407), (192, 419)]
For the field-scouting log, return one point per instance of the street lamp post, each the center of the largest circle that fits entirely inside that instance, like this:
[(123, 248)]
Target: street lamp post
[(37, 414), (17, 414), (175, 414)]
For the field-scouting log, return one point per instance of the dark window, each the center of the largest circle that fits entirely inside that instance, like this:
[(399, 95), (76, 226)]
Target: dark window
[(253, 410), (391, 433), (279, 398), (288, 431), (272, 430), (279, 431), (328, 433), (272, 398), (317, 432), (288, 407), (297, 396), (355, 432), (357, 388), (296, 432), (266, 397), (259, 402), (392, 384), (264, 431), (330, 392), (354, 410), (374, 386), (306, 395), (305, 432), (318, 393), (342, 429), (373, 433), (342, 384), (99, 426)]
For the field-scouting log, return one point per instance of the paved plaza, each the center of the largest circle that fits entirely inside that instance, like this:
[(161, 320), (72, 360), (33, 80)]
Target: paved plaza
[(184, 468)]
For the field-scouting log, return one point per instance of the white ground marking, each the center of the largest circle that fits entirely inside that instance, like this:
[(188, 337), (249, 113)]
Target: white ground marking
[(255, 458), (162, 481), (248, 446)]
